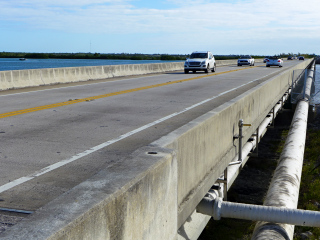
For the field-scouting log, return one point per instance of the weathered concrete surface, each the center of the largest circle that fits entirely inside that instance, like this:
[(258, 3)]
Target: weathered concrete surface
[(133, 199), (150, 196), (48, 76)]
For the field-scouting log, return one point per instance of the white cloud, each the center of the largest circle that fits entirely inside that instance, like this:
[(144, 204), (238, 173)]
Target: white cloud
[(189, 21), (121, 16)]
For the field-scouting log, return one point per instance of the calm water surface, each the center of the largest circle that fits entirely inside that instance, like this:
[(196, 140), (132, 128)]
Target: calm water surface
[(316, 97), (16, 64)]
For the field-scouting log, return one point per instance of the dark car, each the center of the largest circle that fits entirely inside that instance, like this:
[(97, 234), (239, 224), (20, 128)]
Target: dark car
[(301, 58), (265, 59), (290, 58)]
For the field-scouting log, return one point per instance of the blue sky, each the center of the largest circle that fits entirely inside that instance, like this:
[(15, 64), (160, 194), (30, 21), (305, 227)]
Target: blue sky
[(154, 26)]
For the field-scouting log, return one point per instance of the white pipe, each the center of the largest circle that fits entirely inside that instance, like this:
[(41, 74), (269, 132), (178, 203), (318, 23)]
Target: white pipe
[(284, 187), (214, 206)]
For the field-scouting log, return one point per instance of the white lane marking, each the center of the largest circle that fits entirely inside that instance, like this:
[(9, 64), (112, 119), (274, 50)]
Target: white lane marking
[(52, 167)]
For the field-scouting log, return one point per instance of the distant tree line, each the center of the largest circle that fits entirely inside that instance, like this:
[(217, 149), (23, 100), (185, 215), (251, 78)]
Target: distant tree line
[(121, 56), (126, 56)]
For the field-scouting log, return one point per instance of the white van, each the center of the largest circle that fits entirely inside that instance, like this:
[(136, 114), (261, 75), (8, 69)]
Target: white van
[(200, 61)]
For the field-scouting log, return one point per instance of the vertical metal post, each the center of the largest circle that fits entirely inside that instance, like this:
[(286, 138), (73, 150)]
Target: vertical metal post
[(240, 140), (305, 83), (256, 151), (273, 117), (225, 182)]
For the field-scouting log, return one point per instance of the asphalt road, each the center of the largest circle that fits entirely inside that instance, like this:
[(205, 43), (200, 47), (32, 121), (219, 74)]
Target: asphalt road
[(55, 137)]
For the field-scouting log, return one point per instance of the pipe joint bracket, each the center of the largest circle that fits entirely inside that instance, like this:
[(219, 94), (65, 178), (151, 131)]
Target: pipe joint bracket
[(217, 209)]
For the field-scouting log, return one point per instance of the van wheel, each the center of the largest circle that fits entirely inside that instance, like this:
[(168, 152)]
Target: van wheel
[(207, 70), (214, 68), (186, 71)]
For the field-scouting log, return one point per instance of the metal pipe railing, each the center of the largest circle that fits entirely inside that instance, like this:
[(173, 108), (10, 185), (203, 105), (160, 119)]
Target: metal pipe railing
[(279, 212)]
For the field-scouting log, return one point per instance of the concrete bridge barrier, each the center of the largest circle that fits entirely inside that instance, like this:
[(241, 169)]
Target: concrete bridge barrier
[(48, 76), (154, 191)]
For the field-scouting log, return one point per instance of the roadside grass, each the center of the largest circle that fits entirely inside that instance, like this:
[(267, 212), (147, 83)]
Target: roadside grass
[(309, 196), (228, 229)]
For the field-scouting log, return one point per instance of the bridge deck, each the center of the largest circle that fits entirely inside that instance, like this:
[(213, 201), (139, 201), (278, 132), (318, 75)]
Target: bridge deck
[(106, 134)]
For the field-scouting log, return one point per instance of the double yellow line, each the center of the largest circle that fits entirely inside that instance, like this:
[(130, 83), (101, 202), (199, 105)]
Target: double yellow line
[(55, 105)]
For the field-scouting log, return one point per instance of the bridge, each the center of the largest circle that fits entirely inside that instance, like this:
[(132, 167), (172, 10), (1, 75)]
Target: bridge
[(131, 153)]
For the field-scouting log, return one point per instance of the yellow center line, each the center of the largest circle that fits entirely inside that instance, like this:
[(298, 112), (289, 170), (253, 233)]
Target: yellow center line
[(55, 105)]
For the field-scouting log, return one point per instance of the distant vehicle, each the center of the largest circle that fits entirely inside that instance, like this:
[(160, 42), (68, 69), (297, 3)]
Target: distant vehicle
[(246, 60), (301, 58), (265, 59), (200, 61), (274, 61), (290, 58)]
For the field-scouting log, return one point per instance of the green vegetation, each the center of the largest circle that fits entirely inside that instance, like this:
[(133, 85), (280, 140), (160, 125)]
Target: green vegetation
[(309, 198), (306, 55), (122, 56), (228, 229)]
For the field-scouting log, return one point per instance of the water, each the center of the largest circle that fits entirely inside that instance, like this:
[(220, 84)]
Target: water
[(316, 97), (7, 64)]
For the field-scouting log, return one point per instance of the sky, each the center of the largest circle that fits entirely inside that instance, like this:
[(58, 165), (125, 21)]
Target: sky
[(256, 27)]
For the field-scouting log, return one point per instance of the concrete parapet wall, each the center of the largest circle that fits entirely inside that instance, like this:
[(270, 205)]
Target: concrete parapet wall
[(38, 77), (48, 76), (152, 193), (234, 61)]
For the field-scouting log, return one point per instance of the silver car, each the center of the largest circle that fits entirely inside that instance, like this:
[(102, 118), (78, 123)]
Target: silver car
[(246, 60), (274, 61)]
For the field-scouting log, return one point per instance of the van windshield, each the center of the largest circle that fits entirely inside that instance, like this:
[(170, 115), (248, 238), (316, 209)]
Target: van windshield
[(245, 57), (199, 55)]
